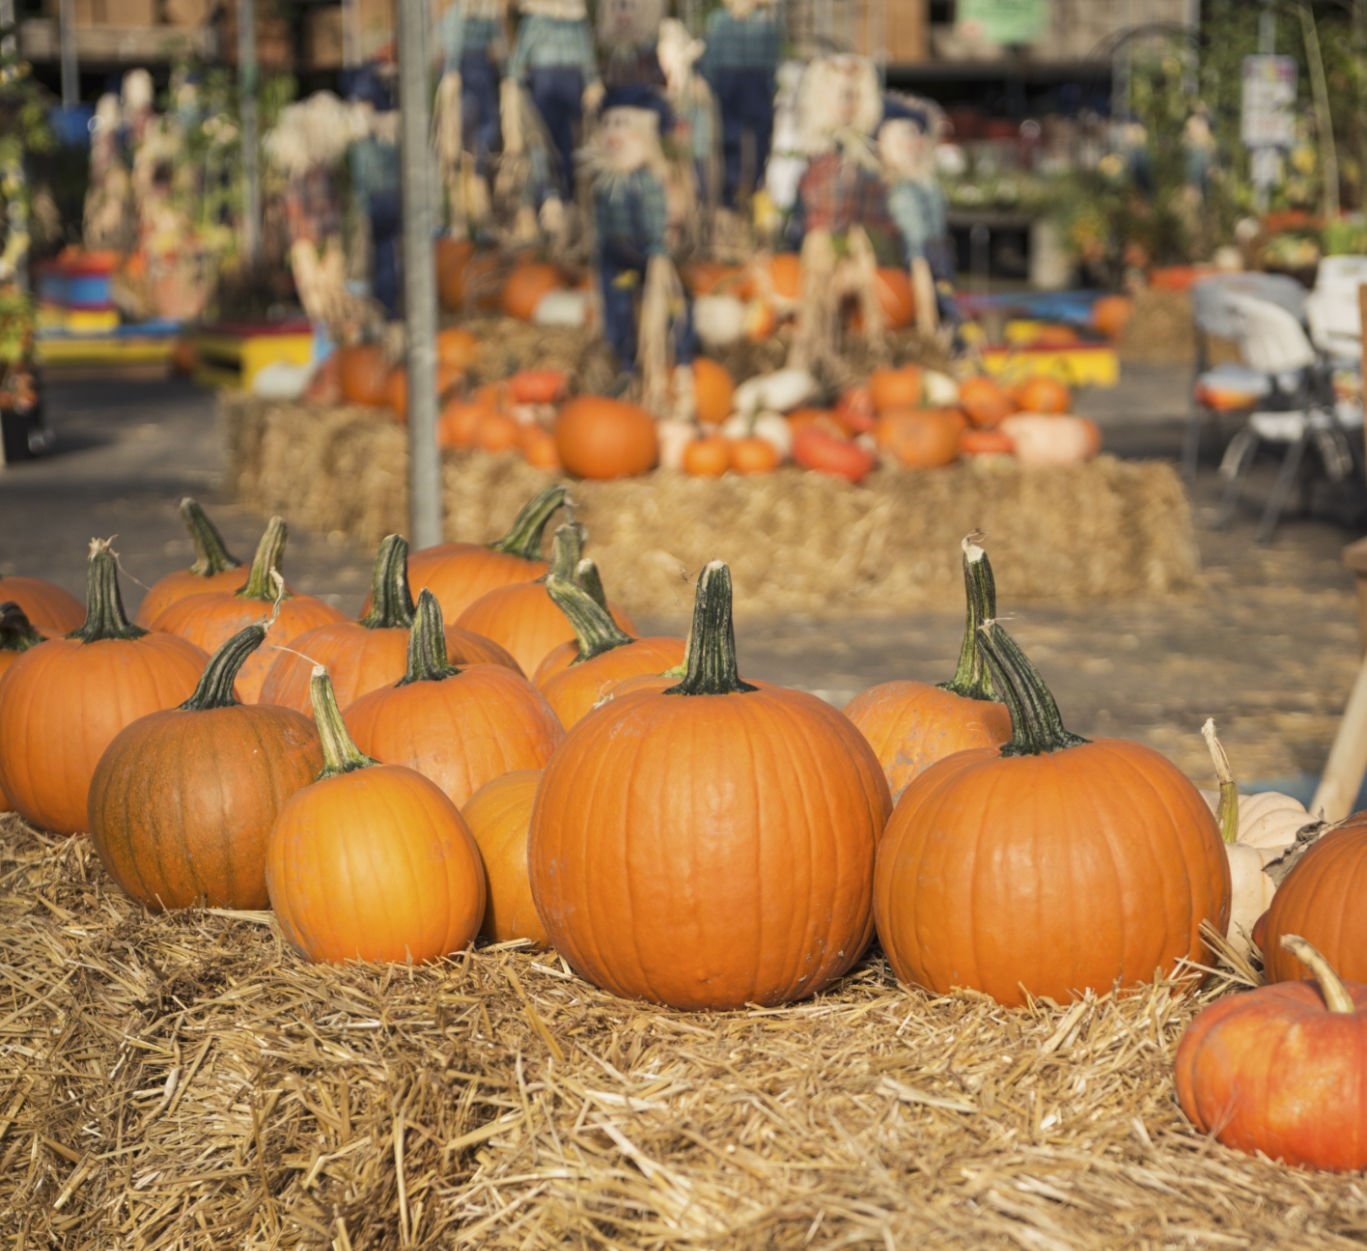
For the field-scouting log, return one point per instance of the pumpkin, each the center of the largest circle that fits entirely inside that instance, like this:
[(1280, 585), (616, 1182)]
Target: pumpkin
[(1052, 439), (522, 617), (1041, 393), (371, 861), (498, 432), (896, 387), (818, 449), (17, 635), (709, 845), (707, 456), (1282, 1069), (896, 298), (854, 410), (770, 427), (525, 287), (538, 386), (182, 801), (459, 421), (1321, 899), (604, 655), (371, 651), (363, 374), (456, 348), (919, 438), (498, 816), (984, 401), (713, 390), (979, 441), (209, 619), (910, 724), (537, 445), (1258, 831), (458, 726), (753, 454), (599, 437), (453, 257), (458, 573), (214, 568), (1050, 865), (446, 379), (62, 703), (51, 609), (707, 277), (778, 280), (1111, 315)]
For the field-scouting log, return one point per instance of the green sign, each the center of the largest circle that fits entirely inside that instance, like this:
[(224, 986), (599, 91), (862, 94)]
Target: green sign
[(1004, 21)]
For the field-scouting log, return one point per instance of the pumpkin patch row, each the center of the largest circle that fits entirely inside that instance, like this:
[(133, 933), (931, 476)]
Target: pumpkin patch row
[(677, 833)]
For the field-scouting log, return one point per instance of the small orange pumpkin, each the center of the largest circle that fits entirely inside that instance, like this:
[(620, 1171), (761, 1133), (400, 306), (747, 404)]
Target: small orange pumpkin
[(526, 285), (708, 456), (920, 438), (984, 401), (214, 568), (602, 438), (538, 386), (752, 454), (363, 374), (821, 450), (456, 347), (713, 389), (1041, 393), (896, 387)]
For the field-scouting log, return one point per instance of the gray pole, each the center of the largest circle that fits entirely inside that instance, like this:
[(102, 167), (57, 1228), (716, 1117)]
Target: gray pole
[(247, 78), (66, 33), (419, 276)]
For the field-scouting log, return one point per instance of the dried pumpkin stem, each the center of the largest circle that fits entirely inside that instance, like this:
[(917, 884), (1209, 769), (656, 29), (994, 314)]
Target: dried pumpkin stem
[(1036, 727), (428, 659), (215, 689), (340, 753), (587, 576), (105, 617), (391, 598), (594, 629), (711, 656), (211, 553), (524, 537), (1336, 996), (17, 633), (1228, 812), (972, 679), (266, 563)]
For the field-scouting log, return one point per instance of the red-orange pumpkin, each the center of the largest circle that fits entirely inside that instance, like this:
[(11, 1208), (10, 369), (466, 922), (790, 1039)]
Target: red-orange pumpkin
[(599, 437), (214, 568), (818, 449), (498, 815), (743, 817), (363, 374), (62, 702), (538, 386), (998, 861), (182, 801)]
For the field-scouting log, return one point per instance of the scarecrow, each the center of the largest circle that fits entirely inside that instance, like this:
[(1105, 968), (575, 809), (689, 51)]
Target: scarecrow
[(841, 216), (628, 38), (695, 117), (108, 213), (741, 66), (467, 124), (374, 164), (632, 242)]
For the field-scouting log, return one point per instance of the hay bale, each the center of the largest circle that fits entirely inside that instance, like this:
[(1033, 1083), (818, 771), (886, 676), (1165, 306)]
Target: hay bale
[(1160, 330), (796, 541), (183, 1080)]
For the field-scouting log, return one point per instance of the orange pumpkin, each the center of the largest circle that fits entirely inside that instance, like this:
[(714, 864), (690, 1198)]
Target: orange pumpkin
[(17, 635), (456, 348), (901, 387), (854, 410), (49, 607), (453, 258), (896, 299), (538, 386), (1041, 393), (821, 450), (704, 277), (1111, 314), (598, 437), (713, 390), (525, 287), (363, 374), (498, 432), (537, 445), (498, 816), (984, 401), (919, 438), (459, 421), (980, 441), (753, 454), (708, 456), (214, 568)]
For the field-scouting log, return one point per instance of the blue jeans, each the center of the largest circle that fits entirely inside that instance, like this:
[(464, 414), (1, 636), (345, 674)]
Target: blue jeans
[(620, 304), (745, 100), (558, 93), (386, 228), (479, 108)]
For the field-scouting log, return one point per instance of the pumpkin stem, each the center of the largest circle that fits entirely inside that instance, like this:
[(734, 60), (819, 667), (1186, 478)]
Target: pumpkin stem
[(105, 617), (1228, 811), (567, 548), (16, 630), (587, 576), (1036, 727), (594, 629), (340, 753), (391, 599), (428, 660), (712, 640), (215, 689), (972, 679), (1336, 996), (211, 553), (524, 537), (265, 568)]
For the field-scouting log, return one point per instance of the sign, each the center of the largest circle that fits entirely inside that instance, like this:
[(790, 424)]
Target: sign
[(1003, 21), (1268, 119)]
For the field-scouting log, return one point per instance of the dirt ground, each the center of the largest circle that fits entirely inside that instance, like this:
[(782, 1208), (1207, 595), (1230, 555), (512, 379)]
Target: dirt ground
[(1268, 644)]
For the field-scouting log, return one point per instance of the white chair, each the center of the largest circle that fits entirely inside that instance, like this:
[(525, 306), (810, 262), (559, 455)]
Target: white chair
[(1231, 389), (1331, 308), (1298, 413)]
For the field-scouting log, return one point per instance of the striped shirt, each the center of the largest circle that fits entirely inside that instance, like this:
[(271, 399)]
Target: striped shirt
[(548, 42)]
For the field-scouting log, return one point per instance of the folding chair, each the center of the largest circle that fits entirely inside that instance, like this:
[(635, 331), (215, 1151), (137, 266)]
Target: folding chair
[(1331, 308), (1299, 411), (1231, 389)]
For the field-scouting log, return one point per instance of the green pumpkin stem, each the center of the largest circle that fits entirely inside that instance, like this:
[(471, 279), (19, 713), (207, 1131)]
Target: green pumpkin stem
[(712, 640), (264, 578), (1036, 727), (17, 633), (524, 537), (1336, 996), (587, 576), (391, 598), (428, 660), (211, 554), (594, 629), (1228, 812), (972, 679), (105, 617), (215, 689), (567, 549), (340, 753)]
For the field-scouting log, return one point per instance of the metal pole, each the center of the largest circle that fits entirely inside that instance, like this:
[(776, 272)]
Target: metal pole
[(247, 81), (66, 21), (419, 276)]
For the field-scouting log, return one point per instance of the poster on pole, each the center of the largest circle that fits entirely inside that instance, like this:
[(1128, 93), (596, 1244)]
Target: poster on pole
[(1268, 117)]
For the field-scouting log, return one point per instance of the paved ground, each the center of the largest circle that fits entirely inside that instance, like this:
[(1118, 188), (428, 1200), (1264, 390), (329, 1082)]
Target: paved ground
[(1268, 645)]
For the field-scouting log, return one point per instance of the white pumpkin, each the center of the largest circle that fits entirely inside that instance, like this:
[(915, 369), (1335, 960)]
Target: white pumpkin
[(940, 389), (771, 427), (562, 308), (779, 392), (719, 319), (1052, 438)]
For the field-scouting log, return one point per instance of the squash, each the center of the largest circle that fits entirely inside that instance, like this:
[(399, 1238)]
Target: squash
[(214, 568), (602, 438), (1048, 866), (371, 861), (741, 817), (1275, 1070), (182, 801), (498, 816), (1052, 439)]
